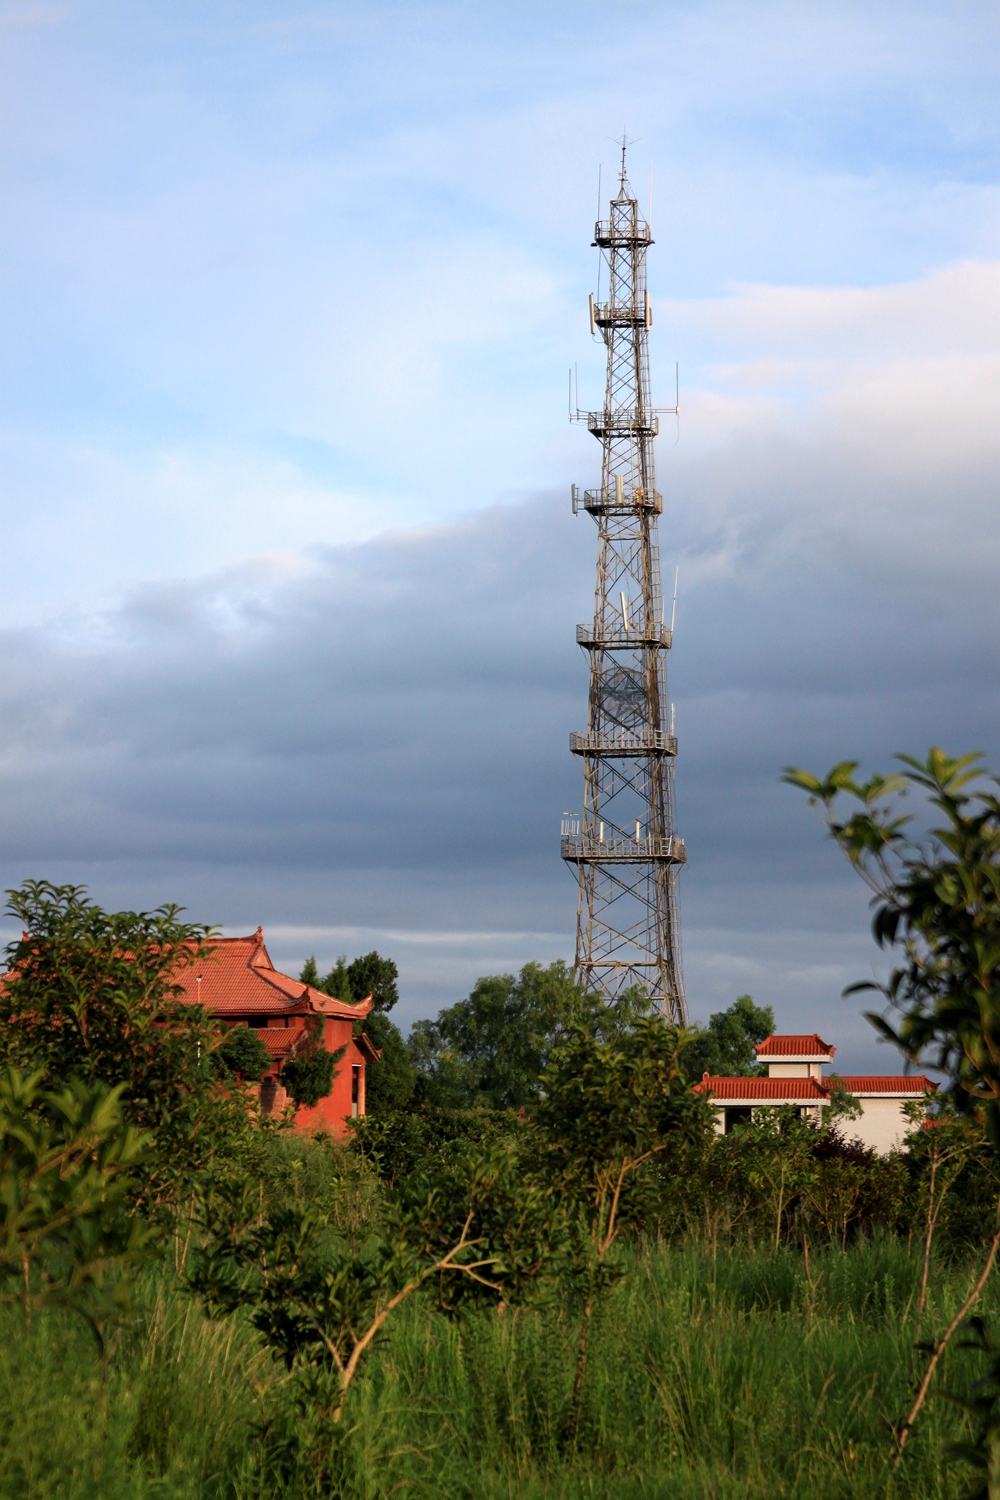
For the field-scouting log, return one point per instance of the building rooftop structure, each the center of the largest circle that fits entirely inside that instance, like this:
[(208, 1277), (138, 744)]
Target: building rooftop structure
[(795, 1077), (239, 979), (795, 1049), (237, 982)]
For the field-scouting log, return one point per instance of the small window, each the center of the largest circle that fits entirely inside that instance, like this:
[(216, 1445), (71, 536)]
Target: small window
[(355, 1089)]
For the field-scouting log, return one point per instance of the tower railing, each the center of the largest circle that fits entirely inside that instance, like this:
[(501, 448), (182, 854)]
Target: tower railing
[(624, 851), (609, 232), (617, 638), (623, 742), (606, 502), (623, 422)]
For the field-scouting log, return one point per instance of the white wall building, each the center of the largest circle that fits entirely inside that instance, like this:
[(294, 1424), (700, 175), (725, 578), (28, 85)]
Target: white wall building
[(795, 1076)]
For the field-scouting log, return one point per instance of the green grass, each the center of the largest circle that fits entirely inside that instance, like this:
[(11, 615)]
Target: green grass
[(705, 1379)]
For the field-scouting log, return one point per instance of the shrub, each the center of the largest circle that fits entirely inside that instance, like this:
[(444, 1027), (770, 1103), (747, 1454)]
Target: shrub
[(242, 1055), (309, 1076), (93, 995)]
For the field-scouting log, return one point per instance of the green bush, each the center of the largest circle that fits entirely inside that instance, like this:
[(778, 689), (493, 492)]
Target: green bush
[(389, 1083), (93, 995), (242, 1055), (309, 1077)]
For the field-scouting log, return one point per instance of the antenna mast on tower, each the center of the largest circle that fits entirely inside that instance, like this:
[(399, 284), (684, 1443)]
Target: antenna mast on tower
[(626, 854)]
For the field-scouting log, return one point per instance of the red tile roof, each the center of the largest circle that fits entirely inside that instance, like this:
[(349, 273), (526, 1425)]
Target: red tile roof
[(812, 1047), (280, 1040), (774, 1089), (367, 1048), (916, 1084), (239, 979)]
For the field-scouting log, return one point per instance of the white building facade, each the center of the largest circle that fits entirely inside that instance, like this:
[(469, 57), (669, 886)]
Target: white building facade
[(795, 1076)]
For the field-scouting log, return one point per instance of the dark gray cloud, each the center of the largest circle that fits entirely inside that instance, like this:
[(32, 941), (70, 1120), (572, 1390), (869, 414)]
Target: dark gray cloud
[(371, 747)]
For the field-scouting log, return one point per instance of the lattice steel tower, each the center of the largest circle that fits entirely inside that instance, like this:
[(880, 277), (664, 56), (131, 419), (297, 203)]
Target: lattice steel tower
[(626, 854)]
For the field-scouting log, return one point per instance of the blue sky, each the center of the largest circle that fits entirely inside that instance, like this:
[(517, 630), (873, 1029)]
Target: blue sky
[(287, 299)]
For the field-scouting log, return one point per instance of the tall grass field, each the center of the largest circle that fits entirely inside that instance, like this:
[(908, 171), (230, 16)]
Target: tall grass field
[(710, 1377)]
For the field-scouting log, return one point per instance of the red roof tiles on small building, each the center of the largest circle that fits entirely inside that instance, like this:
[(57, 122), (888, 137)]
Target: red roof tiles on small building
[(915, 1085), (239, 979), (770, 1089), (279, 1041), (800, 1048)]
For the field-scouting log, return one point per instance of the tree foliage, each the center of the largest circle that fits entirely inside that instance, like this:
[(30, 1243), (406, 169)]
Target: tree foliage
[(725, 1046), (490, 1050), (370, 974), (937, 898), (67, 1166), (321, 1302), (92, 995), (606, 1107), (389, 1083), (242, 1055), (309, 1075)]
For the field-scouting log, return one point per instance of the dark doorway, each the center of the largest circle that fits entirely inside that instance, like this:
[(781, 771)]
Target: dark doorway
[(740, 1115)]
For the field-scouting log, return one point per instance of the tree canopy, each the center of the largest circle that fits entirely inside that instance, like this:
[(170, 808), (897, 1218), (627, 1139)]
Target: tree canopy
[(242, 1055), (937, 900), (491, 1048), (390, 1082), (370, 974), (93, 995), (725, 1046)]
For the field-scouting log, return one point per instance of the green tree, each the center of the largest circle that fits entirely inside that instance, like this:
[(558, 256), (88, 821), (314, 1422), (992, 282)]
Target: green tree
[(321, 1302), (780, 1163), (242, 1055), (338, 982), (67, 1165), (310, 973), (309, 1075), (371, 974), (936, 900), (725, 1046), (389, 1083), (606, 1109), (93, 995), (491, 1049)]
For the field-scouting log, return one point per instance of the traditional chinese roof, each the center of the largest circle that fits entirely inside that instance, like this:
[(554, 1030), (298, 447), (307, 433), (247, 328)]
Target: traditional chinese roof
[(794, 1049), (797, 1090), (237, 978), (367, 1047), (279, 1041), (913, 1086), (771, 1090)]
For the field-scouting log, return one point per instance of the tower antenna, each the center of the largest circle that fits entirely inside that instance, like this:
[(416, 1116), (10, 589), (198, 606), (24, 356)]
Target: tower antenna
[(628, 927)]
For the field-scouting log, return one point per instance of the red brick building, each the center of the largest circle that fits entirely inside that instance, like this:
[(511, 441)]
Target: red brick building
[(239, 985)]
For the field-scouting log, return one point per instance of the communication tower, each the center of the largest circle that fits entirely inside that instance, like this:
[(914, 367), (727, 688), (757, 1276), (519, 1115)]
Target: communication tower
[(626, 853)]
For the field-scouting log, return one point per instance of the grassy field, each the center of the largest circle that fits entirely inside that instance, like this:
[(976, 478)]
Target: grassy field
[(706, 1380)]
